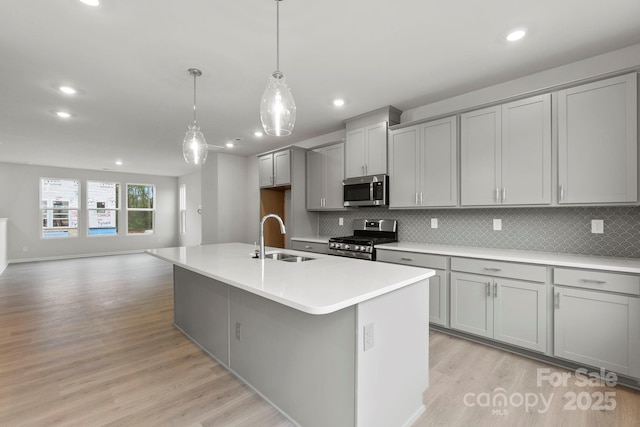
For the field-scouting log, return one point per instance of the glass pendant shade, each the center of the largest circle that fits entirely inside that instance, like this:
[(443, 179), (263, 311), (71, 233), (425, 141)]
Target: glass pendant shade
[(277, 108), (194, 146)]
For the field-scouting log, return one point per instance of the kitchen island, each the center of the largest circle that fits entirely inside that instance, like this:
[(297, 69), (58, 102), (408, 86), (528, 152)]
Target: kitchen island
[(329, 341)]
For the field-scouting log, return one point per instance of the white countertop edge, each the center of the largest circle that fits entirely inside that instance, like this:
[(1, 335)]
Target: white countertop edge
[(621, 265), (315, 310), (320, 239)]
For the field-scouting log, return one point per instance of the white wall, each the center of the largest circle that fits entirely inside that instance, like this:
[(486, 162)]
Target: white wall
[(19, 202), (224, 199), (611, 62), (3, 244), (193, 234), (252, 200)]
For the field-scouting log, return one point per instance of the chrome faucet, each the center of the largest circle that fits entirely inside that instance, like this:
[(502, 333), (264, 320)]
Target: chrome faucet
[(264, 218)]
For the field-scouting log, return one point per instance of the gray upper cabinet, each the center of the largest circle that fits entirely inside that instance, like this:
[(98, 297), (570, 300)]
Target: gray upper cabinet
[(505, 154), (325, 172), (598, 142), (366, 150), (423, 165), (275, 169)]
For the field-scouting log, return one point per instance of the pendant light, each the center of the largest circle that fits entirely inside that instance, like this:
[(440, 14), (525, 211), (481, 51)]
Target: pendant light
[(277, 108), (194, 146)]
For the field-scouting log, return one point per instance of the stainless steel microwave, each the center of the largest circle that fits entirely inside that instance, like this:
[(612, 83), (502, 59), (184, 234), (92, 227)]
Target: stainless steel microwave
[(372, 190)]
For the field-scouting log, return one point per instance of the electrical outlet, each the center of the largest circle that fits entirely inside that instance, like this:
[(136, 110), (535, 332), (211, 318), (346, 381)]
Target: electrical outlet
[(597, 226), (434, 222), (340, 221), (238, 331), (497, 225), (368, 336)]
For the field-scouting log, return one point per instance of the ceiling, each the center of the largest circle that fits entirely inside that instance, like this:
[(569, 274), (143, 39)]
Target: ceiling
[(129, 61)]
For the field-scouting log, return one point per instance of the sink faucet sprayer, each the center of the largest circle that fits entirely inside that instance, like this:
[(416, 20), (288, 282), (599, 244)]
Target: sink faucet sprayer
[(264, 218)]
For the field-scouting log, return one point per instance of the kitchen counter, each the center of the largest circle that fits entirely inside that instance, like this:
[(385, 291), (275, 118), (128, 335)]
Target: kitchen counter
[(319, 286), (324, 341), (316, 239), (622, 265)]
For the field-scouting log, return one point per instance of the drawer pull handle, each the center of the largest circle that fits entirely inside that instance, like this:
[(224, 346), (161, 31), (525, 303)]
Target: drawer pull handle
[(307, 247), (595, 282), (492, 269), (406, 259)]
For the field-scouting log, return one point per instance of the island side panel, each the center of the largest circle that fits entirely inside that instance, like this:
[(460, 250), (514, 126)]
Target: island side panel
[(303, 364), (201, 311), (393, 356)]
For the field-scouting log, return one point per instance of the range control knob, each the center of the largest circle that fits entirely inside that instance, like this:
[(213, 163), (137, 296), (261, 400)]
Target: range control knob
[(346, 247)]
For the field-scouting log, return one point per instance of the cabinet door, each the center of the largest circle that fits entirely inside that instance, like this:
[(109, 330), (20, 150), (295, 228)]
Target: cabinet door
[(354, 153), (520, 313), (526, 151), (376, 149), (404, 162), (472, 304), (265, 168), (282, 168), (438, 300), (598, 142), (334, 175), (480, 161), (315, 179), (598, 329), (438, 171)]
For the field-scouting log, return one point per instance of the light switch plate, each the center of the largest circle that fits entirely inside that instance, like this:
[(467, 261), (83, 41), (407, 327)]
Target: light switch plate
[(340, 221), (434, 222), (597, 226), (497, 225)]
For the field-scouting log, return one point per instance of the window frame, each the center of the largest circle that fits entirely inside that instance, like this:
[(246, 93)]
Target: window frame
[(152, 209), (42, 210), (117, 209)]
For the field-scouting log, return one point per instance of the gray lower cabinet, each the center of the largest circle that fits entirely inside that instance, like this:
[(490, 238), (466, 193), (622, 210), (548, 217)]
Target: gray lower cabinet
[(438, 284), (594, 323), (309, 246), (201, 311), (510, 310)]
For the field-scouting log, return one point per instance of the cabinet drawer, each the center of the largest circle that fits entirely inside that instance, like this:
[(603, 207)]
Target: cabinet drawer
[(320, 248), (533, 273), (603, 281), (412, 258)]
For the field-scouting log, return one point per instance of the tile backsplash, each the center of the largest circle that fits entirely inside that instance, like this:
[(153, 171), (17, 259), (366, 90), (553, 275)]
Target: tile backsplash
[(557, 229)]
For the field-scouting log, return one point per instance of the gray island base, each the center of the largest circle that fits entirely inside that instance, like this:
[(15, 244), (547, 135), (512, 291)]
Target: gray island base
[(328, 342)]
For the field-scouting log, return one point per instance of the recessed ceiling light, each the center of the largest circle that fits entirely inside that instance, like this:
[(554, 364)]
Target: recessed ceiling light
[(68, 90), (229, 144), (119, 162), (257, 134), (63, 114), (516, 35), (91, 2), (338, 102)]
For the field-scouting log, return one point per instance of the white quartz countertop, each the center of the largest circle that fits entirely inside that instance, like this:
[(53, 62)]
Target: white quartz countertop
[(320, 239), (320, 286), (623, 265)]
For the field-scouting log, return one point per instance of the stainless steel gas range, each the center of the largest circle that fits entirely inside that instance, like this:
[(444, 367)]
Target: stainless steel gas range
[(366, 234)]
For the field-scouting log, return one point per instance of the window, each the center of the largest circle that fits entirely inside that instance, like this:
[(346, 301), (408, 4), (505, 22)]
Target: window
[(103, 203), (59, 203), (140, 208), (183, 209)]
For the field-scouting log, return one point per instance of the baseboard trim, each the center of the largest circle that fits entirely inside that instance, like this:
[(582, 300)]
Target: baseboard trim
[(75, 256)]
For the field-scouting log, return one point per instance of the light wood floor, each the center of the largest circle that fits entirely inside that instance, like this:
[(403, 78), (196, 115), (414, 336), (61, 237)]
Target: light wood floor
[(89, 342)]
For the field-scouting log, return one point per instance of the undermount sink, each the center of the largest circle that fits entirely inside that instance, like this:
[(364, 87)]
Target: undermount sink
[(281, 256)]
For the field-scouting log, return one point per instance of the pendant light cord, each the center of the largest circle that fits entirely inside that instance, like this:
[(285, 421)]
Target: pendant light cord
[(194, 98), (278, 35)]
